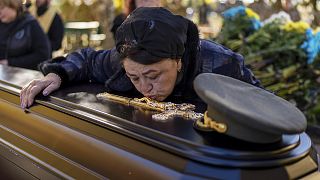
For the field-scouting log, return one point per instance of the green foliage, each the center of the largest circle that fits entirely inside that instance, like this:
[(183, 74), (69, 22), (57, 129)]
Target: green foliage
[(275, 55), (236, 29)]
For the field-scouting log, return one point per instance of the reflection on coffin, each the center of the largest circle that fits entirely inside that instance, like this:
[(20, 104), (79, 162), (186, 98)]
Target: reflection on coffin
[(72, 134)]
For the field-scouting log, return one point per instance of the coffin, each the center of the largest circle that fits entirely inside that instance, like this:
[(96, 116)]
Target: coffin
[(73, 135)]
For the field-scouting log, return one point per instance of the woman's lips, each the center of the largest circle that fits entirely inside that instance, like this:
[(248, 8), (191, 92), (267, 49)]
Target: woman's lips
[(152, 97)]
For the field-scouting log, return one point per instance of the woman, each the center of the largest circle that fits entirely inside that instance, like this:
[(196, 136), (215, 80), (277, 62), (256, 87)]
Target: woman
[(157, 55), (22, 41)]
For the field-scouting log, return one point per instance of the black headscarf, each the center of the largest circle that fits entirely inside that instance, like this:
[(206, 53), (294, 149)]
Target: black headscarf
[(150, 34)]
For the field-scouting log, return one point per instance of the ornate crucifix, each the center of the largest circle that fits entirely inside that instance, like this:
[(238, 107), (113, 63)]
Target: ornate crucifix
[(167, 110)]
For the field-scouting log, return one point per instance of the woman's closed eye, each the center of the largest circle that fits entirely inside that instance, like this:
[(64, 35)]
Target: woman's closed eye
[(133, 78), (153, 77)]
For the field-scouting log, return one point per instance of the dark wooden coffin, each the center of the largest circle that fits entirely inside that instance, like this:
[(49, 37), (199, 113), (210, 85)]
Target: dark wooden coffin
[(71, 134)]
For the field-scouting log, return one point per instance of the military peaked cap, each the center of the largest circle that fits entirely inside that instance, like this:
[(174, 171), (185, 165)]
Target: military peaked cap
[(247, 112)]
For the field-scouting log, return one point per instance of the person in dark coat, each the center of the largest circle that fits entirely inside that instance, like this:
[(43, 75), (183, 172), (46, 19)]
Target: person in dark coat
[(22, 41), (50, 21), (129, 6), (157, 55)]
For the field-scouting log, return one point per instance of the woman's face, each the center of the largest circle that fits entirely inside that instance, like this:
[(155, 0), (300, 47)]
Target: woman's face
[(7, 14), (155, 81)]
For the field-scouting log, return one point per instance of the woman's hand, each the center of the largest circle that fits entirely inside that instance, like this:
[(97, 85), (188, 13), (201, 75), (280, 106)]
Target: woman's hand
[(47, 84)]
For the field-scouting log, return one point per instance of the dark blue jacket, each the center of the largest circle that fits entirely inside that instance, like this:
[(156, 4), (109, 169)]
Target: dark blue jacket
[(104, 66), (27, 45)]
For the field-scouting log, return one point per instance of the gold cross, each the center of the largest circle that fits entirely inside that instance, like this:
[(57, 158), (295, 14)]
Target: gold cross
[(168, 110)]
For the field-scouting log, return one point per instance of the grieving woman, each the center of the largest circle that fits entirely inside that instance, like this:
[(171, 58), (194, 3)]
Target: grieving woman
[(157, 55), (22, 41)]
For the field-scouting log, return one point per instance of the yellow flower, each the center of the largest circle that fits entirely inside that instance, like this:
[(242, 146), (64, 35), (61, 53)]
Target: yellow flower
[(315, 31), (250, 13), (299, 26), (117, 3)]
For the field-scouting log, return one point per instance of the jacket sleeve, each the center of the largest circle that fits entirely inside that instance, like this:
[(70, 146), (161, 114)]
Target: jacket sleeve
[(221, 60), (84, 65), (235, 68), (40, 49), (245, 74)]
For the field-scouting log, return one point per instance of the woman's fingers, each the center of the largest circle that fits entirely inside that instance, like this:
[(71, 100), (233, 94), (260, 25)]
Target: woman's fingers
[(49, 89), (47, 84), (33, 91), (24, 94)]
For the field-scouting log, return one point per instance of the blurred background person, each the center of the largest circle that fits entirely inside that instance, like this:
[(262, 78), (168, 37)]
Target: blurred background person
[(128, 7), (22, 41), (50, 21)]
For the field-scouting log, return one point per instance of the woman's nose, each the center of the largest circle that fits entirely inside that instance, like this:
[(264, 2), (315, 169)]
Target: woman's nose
[(145, 87)]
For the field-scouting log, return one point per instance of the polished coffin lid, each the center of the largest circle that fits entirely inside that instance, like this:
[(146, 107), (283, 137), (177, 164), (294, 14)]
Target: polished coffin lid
[(176, 135)]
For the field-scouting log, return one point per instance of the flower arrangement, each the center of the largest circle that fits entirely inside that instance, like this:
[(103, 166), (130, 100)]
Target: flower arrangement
[(239, 22), (283, 54)]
